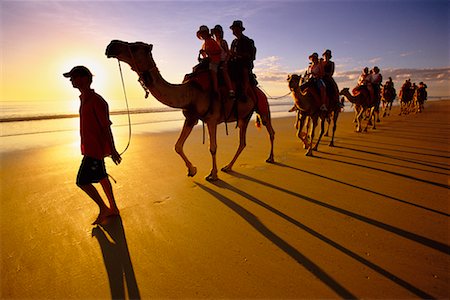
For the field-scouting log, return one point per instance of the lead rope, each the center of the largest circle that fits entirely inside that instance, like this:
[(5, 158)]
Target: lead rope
[(128, 109), (129, 120)]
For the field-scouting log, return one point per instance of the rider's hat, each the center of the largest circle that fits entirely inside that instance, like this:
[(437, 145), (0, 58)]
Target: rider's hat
[(327, 52), (314, 55), (237, 24), (217, 28), (201, 30)]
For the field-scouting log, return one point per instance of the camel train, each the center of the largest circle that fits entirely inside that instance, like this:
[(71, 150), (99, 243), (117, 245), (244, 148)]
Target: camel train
[(412, 97), (196, 102)]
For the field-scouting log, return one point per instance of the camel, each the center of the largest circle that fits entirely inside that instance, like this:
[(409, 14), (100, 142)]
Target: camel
[(407, 101), (196, 103), (362, 103), (388, 95), (307, 107)]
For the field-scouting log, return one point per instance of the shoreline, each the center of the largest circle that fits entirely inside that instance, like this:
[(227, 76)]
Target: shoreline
[(368, 218)]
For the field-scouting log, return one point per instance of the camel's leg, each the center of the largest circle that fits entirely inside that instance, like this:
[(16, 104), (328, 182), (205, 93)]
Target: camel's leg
[(335, 117), (322, 130), (300, 135), (187, 128), (313, 129), (329, 124), (268, 124), (242, 124), (359, 119), (212, 130)]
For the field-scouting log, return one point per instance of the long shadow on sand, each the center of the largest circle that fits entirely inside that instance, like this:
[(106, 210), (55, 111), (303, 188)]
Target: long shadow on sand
[(395, 230), (383, 162), (321, 237), (363, 189), (282, 244), (113, 243), (442, 185), (403, 147), (426, 154)]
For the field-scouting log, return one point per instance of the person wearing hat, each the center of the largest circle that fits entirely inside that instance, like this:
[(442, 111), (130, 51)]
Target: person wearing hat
[(375, 80), (328, 70), (217, 32), (97, 142), (315, 71), (242, 55), (211, 51)]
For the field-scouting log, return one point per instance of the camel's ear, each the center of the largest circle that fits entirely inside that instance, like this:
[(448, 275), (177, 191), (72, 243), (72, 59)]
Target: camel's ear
[(150, 47), (289, 77)]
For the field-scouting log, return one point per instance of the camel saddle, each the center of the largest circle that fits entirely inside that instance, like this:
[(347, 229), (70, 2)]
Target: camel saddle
[(200, 76)]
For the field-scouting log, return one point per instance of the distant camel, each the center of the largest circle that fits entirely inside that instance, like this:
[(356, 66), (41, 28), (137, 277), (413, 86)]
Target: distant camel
[(388, 94), (196, 103), (406, 97), (362, 103), (307, 107)]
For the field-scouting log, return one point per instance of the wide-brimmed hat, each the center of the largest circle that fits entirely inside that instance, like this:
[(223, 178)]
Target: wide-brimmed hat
[(237, 24), (81, 71), (201, 30), (327, 52), (217, 28), (314, 55)]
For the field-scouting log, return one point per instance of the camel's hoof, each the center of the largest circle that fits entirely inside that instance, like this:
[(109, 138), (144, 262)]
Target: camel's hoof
[(309, 153), (226, 169), (331, 144), (211, 177), (192, 171), (270, 160)]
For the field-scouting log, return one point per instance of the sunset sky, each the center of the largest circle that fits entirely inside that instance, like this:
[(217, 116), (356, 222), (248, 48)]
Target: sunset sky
[(42, 39)]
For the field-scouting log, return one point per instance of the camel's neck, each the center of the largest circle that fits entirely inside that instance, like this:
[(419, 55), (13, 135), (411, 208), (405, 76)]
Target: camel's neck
[(173, 95), (303, 101), (349, 96)]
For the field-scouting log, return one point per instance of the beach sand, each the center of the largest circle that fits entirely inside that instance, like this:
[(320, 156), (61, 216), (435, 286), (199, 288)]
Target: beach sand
[(368, 218)]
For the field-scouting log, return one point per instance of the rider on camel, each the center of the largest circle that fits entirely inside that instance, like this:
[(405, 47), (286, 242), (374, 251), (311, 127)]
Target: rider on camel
[(242, 55), (217, 32), (210, 50), (328, 68), (316, 73), (362, 81)]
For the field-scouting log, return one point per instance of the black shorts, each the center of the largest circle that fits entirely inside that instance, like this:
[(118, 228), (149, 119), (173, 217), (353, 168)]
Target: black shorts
[(91, 171)]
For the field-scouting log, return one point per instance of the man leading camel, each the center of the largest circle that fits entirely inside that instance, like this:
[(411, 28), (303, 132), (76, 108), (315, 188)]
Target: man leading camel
[(97, 142)]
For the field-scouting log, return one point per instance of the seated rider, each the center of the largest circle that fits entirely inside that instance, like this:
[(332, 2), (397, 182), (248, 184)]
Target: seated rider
[(362, 82), (375, 81), (217, 32), (210, 50), (315, 72), (328, 68), (242, 55)]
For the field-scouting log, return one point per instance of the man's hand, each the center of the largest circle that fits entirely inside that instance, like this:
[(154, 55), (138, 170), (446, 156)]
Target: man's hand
[(116, 157)]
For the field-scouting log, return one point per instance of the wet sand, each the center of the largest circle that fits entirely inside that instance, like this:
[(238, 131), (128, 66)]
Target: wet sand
[(368, 218)]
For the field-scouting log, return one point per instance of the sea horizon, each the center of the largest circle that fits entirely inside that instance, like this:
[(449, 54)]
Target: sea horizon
[(28, 124)]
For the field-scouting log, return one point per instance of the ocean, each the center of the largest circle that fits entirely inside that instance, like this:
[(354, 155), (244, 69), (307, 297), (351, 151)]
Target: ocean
[(25, 125)]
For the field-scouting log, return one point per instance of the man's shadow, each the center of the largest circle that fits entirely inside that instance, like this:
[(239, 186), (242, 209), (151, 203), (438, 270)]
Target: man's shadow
[(113, 243)]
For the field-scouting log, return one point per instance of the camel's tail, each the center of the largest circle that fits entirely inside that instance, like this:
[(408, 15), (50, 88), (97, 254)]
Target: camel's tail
[(258, 121)]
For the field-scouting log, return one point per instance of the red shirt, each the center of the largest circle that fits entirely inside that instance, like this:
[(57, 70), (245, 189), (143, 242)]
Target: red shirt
[(212, 49), (94, 123)]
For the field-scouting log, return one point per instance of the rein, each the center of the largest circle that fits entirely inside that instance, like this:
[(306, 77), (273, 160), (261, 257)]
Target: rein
[(128, 109)]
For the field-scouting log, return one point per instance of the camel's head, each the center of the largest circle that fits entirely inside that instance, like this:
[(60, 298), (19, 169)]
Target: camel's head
[(293, 81), (344, 91), (138, 55)]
